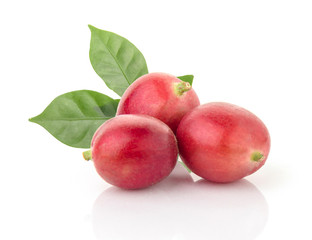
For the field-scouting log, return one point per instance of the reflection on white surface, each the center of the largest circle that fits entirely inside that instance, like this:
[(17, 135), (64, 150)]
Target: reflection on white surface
[(179, 208)]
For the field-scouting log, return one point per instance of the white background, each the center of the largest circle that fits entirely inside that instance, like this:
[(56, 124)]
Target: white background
[(256, 54)]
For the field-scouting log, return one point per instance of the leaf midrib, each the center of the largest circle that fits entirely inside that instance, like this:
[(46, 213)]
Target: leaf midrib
[(69, 119), (122, 71)]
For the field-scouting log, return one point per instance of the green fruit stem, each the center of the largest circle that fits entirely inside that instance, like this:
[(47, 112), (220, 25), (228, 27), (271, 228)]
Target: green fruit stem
[(182, 87), (87, 155), (183, 164), (256, 156)]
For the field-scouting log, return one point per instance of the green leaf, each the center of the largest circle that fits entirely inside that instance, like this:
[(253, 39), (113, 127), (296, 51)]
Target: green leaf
[(73, 117), (187, 78), (116, 60)]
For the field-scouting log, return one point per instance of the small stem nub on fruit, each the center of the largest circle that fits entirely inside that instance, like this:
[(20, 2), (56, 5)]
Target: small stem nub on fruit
[(182, 87), (87, 155), (256, 156)]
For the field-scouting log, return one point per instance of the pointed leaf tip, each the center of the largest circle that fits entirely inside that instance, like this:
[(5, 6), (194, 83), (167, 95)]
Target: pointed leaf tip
[(91, 27), (115, 59), (73, 117)]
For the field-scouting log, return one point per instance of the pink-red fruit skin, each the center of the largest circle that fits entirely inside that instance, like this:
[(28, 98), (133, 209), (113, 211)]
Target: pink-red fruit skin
[(222, 142), (159, 95), (134, 151)]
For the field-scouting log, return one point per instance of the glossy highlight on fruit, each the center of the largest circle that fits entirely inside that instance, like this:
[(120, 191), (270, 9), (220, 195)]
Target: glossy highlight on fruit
[(159, 95), (134, 151), (222, 142)]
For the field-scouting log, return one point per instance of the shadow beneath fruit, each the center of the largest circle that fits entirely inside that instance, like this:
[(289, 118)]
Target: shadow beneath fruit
[(273, 177), (179, 208)]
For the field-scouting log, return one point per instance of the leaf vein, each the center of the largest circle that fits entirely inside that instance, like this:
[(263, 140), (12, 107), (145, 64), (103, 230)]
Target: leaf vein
[(74, 119), (116, 60)]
